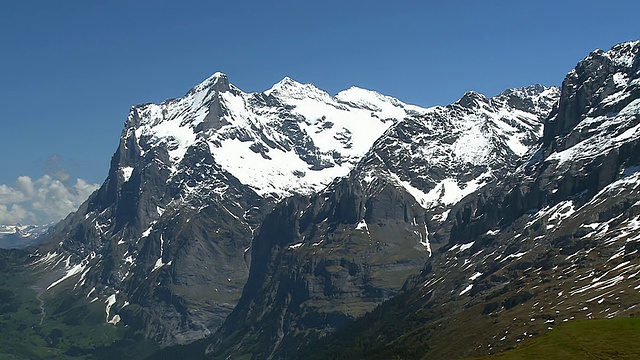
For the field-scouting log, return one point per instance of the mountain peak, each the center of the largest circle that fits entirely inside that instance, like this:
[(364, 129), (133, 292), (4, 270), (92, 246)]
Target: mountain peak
[(538, 99), (598, 85), (620, 55), (471, 98), (531, 90), (368, 99), (290, 88), (359, 92), (624, 53), (286, 83), (218, 81), (218, 75)]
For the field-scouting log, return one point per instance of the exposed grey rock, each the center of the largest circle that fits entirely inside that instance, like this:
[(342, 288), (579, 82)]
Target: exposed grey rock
[(552, 241), (319, 262), (165, 241)]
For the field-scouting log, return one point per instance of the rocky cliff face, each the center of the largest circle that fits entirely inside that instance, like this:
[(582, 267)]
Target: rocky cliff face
[(556, 240), (321, 261), (165, 242)]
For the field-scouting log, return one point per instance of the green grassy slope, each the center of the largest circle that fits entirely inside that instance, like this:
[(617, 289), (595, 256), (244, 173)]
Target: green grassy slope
[(63, 326), (617, 338)]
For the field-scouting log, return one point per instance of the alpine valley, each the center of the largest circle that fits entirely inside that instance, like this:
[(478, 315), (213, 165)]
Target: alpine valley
[(291, 223)]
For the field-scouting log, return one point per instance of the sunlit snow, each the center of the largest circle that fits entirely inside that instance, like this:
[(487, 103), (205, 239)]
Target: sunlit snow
[(260, 144)]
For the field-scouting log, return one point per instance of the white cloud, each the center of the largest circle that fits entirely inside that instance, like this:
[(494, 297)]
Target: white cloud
[(45, 200), (15, 214), (25, 185), (10, 195)]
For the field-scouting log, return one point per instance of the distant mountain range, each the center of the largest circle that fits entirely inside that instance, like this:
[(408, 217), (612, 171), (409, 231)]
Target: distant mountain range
[(20, 236), (295, 224)]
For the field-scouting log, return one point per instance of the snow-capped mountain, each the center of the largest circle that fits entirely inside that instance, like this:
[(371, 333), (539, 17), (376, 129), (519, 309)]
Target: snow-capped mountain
[(324, 260), (20, 236), (555, 240), (291, 139), (165, 240), (452, 151)]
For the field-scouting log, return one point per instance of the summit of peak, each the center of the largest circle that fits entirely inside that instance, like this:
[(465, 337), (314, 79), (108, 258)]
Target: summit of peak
[(534, 89), (530, 91), (621, 55), (630, 46), (357, 90), (473, 94), (289, 87), (219, 81), (286, 82), (470, 98), (218, 75), (624, 53), (369, 99)]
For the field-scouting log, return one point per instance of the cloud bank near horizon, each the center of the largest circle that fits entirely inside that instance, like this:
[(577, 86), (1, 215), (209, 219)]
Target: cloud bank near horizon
[(42, 201)]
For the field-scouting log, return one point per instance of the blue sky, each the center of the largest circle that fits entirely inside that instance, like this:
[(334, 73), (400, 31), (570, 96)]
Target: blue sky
[(70, 70)]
